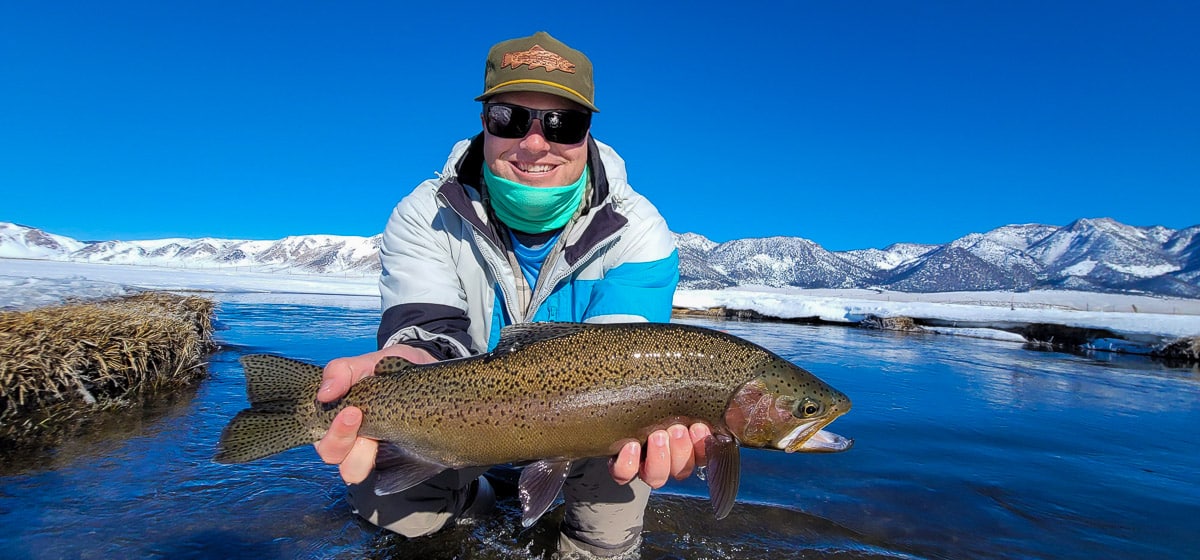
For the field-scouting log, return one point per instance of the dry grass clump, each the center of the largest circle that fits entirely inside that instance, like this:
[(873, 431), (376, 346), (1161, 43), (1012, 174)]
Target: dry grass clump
[(62, 361)]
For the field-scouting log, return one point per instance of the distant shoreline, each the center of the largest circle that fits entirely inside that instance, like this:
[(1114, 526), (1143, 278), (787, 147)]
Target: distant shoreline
[(1121, 322)]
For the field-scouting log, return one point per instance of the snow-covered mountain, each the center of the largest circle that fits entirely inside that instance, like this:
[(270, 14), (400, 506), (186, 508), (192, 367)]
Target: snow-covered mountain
[(891, 258), (1088, 254), (785, 261), (1185, 246), (1127, 251), (19, 242), (694, 265), (301, 253)]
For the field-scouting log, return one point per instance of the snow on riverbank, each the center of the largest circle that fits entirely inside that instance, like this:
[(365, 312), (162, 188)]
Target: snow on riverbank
[(30, 283), (1126, 314)]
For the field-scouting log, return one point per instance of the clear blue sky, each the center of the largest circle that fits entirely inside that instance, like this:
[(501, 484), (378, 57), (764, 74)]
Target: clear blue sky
[(854, 124)]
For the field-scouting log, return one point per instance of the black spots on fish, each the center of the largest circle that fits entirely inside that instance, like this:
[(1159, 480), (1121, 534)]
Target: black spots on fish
[(470, 417), (568, 386), (275, 378), (253, 434), (521, 419), (392, 365), (806, 395)]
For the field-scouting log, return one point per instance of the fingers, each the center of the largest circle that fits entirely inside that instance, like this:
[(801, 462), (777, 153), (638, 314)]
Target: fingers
[(683, 457), (670, 453), (657, 465), (699, 434), (339, 440), (339, 375), (360, 461), (355, 456), (625, 466)]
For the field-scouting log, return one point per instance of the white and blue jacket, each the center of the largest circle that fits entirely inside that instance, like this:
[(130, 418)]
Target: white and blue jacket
[(448, 286)]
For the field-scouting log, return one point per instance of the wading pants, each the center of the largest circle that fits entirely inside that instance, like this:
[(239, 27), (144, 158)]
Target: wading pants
[(602, 518)]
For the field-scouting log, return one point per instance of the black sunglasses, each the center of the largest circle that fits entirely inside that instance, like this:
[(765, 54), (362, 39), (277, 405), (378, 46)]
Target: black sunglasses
[(561, 126)]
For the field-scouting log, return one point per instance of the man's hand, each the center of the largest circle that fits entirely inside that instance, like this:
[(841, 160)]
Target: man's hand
[(672, 452), (341, 446)]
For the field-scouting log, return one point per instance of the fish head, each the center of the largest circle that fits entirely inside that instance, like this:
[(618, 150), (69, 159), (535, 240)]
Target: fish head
[(785, 407)]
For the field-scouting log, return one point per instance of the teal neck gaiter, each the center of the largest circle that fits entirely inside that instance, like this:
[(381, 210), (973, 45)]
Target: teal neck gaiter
[(533, 209)]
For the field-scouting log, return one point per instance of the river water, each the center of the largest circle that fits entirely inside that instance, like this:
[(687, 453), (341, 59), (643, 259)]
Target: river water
[(964, 448)]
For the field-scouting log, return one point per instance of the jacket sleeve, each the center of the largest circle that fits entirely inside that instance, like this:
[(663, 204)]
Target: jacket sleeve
[(423, 301), (639, 283)]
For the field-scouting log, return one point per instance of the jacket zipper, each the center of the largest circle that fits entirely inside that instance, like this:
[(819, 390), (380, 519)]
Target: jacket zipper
[(544, 288), (492, 259)]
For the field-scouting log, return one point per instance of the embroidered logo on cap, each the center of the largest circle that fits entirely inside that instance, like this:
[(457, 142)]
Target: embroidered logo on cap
[(536, 57)]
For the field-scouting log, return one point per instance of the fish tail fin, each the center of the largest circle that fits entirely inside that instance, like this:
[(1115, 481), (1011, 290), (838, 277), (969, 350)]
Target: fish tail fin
[(277, 389), (275, 378), (254, 434)]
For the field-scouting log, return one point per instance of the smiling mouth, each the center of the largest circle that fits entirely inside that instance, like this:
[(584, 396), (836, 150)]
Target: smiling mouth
[(533, 168)]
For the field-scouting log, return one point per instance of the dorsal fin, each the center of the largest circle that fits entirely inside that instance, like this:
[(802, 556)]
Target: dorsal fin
[(391, 365), (513, 337)]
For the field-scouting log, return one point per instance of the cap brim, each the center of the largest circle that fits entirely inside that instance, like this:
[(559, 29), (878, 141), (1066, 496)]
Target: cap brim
[(549, 88)]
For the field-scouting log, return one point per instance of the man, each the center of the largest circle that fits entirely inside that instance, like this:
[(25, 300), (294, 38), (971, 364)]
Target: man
[(531, 220)]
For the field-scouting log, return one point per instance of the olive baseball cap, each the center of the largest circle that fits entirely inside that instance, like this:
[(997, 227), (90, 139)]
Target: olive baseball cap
[(539, 63)]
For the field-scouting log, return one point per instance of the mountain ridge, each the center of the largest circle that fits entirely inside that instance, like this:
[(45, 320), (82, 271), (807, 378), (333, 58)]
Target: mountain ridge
[(1091, 254)]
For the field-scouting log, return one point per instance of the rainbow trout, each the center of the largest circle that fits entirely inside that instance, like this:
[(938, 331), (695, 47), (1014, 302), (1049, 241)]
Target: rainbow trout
[(552, 393)]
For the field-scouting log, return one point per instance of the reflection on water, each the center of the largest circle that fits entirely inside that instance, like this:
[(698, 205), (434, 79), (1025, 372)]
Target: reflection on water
[(93, 435), (965, 448)]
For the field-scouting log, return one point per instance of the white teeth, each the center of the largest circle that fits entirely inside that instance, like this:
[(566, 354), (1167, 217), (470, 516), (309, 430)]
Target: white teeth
[(535, 168)]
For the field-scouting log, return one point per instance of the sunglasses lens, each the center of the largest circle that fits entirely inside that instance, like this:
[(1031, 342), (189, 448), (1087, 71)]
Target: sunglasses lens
[(566, 127), (561, 126), (507, 121)]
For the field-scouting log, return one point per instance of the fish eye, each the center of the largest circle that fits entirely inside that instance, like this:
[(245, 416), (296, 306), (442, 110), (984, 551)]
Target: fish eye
[(806, 408)]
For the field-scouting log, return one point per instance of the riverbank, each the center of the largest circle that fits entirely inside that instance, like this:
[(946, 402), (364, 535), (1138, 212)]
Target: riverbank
[(1061, 320), (1108, 322), (60, 363)]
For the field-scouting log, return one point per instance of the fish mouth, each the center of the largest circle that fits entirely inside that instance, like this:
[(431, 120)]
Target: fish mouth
[(810, 438), (824, 442)]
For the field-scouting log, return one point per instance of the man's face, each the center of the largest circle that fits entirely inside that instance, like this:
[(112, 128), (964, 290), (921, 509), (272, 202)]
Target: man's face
[(533, 160)]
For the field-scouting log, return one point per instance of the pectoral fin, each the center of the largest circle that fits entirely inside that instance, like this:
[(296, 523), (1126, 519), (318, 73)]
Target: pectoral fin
[(539, 486), (723, 472), (398, 470)]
